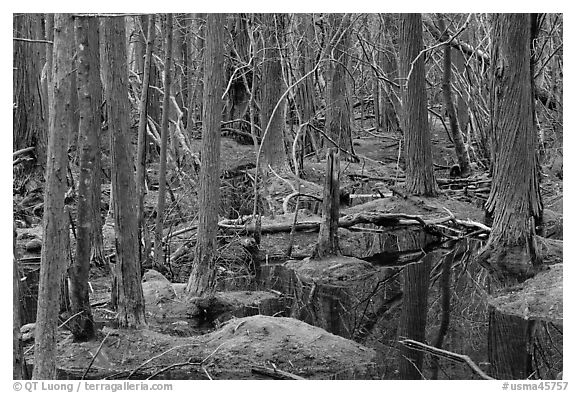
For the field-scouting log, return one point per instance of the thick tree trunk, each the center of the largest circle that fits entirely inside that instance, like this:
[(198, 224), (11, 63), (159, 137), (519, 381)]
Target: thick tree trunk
[(203, 275), (55, 224), (274, 152), (82, 326), (338, 108), (142, 140), (459, 147), (515, 201), (127, 270), (158, 233), (30, 117), (418, 151)]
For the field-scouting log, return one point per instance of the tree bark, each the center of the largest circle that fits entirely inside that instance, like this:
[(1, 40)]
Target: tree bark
[(274, 152), (203, 276), (82, 326), (127, 270), (338, 108), (514, 202), (195, 83), (418, 151), (55, 224), (30, 117), (158, 248), (328, 236), (459, 147), (142, 122), (305, 96), (389, 103), (238, 94)]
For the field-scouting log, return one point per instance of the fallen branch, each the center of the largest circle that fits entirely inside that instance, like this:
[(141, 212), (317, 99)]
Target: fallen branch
[(275, 373), (23, 151), (94, 356), (456, 357)]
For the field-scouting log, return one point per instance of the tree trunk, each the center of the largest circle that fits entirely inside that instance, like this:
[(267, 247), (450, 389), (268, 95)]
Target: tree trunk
[(389, 102), (514, 201), (127, 270), (328, 236), (418, 151), (412, 323), (509, 354), (203, 276), (274, 152), (30, 118), (238, 92), (459, 147), (55, 224), (158, 233), (304, 63), (460, 65), (195, 69), (82, 326), (338, 108), (142, 140)]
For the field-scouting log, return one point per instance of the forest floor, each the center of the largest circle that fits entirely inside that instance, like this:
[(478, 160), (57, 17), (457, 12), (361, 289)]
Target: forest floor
[(249, 336)]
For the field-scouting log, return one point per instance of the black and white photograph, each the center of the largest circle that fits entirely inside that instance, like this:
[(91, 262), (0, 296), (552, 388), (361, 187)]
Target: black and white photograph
[(286, 196)]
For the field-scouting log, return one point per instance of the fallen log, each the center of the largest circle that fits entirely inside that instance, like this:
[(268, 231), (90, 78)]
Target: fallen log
[(376, 218)]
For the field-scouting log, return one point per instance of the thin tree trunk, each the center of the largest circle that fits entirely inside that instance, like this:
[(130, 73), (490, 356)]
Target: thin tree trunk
[(55, 224), (459, 147), (82, 326), (127, 270), (158, 234), (419, 171), (389, 103), (305, 97), (328, 236), (238, 92), (203, 275), (95, 85), (460, 65), (195, 83), (142, 140)]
